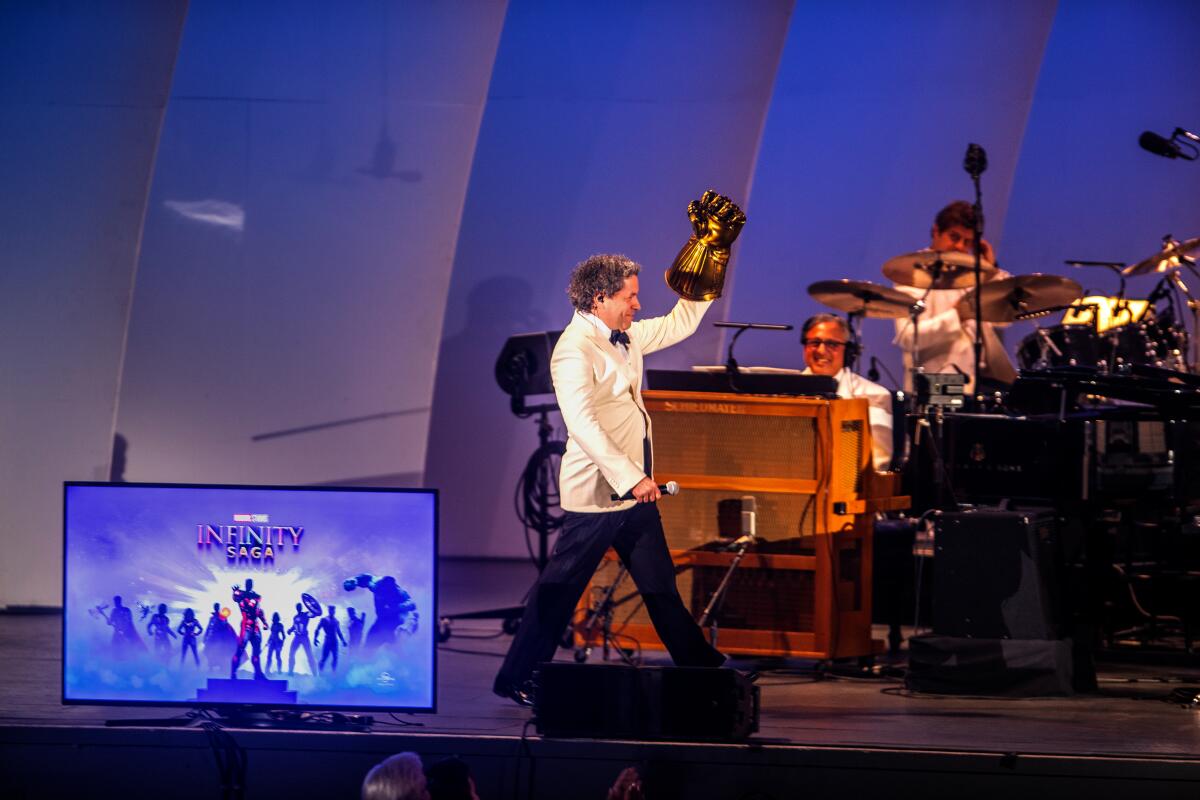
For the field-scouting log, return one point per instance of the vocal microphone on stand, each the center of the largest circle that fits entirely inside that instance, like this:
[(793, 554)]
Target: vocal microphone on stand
[(749, 532), (873, 372), (670, 487)]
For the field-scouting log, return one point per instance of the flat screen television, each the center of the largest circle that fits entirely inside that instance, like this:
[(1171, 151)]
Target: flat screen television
[(219, 596)]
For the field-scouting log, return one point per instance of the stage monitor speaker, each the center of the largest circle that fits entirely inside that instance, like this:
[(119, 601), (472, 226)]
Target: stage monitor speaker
[(998, 667), (994, 575), (606, 701)]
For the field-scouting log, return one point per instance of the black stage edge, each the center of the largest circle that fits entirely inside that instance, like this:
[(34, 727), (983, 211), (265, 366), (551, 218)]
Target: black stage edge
[(48, 761), (819, 736)]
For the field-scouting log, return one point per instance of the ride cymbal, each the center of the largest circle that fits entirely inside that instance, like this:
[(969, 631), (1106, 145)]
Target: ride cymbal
[(926, 269), (1170, 257), (1007, 299)]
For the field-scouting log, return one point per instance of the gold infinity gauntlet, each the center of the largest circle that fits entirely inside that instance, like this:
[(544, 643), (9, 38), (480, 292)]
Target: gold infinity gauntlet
[(698, 272)]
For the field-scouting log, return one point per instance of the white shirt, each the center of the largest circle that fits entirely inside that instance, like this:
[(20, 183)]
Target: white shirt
[(879, 412), (607, 331), (947, 344)]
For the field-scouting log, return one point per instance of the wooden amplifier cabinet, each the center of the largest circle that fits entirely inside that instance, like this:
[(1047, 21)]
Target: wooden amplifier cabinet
[(805, 589)]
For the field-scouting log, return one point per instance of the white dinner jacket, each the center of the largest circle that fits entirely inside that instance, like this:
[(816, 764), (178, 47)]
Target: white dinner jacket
[(599, 394)]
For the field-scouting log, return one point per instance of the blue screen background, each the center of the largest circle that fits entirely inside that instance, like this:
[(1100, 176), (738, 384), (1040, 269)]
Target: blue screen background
[(141, 543)]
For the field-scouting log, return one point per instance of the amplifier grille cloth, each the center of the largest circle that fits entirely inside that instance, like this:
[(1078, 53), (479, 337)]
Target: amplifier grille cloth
[(740, 445), (848, 477)]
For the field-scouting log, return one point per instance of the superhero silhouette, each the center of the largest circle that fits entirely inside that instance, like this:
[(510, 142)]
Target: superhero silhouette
[(248, 601), (159, 631), (275, 644), (355, 628), (333, 632), (220, 640), (190, 630), (394, 608), (125, 639), (299, 631)]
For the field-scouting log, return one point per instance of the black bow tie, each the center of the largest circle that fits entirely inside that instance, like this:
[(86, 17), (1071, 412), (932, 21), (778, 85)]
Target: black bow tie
[(620, 337)]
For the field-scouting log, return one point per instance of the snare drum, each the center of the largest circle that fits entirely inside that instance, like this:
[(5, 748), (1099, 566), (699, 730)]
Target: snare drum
[(1061, 346)]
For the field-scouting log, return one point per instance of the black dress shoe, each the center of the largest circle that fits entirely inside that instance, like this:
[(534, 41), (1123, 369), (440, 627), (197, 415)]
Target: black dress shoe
[(521, 694)]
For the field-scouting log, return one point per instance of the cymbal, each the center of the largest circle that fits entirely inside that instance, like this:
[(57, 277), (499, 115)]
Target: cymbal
[(862, 297), (1165, 259), (926, 269), (1004, 300)]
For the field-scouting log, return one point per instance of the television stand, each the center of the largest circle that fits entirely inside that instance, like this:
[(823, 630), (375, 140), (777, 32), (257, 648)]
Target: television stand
[(291, 719), (161, 722)]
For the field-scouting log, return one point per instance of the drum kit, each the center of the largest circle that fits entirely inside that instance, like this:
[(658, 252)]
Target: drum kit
[(1096, 332)]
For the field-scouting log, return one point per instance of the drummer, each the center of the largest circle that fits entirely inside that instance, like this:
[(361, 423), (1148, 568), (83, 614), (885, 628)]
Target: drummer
[(826, 339), (947, 341)]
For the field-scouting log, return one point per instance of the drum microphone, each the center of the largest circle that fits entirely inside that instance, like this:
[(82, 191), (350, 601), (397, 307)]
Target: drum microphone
[(1156, 144), (670, 487), (1170, 148)]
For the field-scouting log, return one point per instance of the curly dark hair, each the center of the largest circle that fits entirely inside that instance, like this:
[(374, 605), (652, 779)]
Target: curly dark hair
[(960, 212), (602, 274)]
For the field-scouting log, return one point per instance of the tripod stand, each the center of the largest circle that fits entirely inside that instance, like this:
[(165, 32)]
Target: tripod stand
[(537, 494), (599, 618)]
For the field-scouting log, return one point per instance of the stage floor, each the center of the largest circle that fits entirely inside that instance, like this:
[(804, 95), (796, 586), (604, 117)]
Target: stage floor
[(1129, 719)]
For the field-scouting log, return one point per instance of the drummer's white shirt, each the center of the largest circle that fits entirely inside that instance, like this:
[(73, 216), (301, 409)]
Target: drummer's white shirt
[(879, 412), (947, 343)]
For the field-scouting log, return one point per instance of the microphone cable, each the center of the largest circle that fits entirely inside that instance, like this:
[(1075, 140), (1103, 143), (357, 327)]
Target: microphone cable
[(535, 512)]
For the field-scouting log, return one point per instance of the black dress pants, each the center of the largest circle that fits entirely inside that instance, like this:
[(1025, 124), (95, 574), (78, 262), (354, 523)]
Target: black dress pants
[(637, 536)]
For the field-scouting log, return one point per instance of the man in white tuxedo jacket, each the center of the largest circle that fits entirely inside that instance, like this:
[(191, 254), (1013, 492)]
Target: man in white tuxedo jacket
[(597, 374)]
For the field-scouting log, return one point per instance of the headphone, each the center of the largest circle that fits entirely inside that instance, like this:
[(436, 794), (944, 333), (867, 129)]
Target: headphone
[(852, 349)]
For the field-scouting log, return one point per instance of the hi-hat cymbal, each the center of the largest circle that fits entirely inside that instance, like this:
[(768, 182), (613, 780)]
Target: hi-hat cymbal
[(1166, 259), (862, 297), (935, 269), (1005, 300)]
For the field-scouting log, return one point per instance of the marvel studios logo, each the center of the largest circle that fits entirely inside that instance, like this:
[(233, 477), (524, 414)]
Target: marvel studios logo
[(251, 517)]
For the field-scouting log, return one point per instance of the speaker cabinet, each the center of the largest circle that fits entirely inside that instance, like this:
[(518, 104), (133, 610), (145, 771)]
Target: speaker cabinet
[(994, 575), (606, 701)]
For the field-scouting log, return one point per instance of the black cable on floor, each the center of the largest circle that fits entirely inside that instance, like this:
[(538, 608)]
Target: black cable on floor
[(231, 760)]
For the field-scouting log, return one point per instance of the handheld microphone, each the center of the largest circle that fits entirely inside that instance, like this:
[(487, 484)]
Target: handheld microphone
[(1158, 145), (670, 487)]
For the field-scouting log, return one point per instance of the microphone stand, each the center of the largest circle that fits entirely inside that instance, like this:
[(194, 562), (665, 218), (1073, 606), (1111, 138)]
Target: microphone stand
[(914, 312), (718, 597), (601, 616), (731, 365), (854, 324), (975, 163), (1193, 345)]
